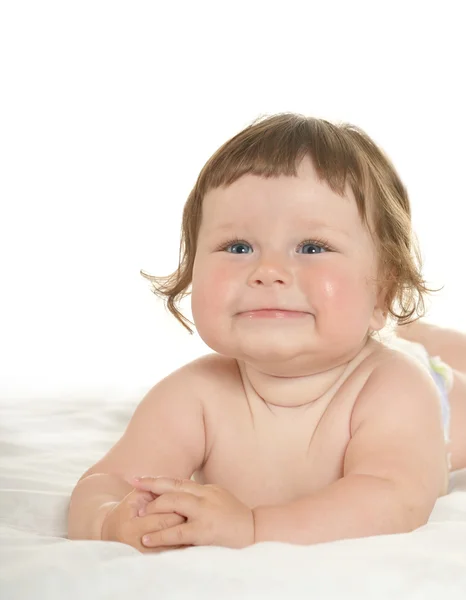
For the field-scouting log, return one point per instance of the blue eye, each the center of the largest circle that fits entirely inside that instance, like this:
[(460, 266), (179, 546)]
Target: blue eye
[(235, 242), (237, 245), (315, 248)]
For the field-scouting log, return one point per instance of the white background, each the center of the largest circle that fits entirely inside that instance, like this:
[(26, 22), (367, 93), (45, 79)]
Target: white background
[(110, 109)]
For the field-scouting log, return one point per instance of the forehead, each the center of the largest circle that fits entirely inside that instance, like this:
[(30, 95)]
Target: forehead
[(300, 200)]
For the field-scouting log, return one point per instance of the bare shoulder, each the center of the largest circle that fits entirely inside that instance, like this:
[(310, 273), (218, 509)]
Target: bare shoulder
[(214, 362), (209, 370), (166, 433), (397, 432), (213, 370), (398, 382)]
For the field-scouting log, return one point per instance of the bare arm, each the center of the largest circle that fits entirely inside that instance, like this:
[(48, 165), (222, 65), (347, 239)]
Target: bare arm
[(395, 466), (93, 496), (164, 437)]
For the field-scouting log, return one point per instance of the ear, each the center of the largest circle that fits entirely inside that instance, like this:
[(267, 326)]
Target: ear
[(378, 319), (379, 316)]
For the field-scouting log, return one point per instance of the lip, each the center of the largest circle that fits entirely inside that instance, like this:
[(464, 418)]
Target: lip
[(273, 313)]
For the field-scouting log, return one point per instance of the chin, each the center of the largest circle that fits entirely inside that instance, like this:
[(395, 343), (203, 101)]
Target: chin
[(267, 352), (263, 352), (277, 364)]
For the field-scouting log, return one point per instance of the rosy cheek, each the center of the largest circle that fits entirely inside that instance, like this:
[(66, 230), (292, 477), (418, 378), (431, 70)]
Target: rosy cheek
[(332, 288), (210, 291)]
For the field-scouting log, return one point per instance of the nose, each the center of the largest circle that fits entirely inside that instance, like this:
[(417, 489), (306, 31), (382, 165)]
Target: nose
[(268, 272)]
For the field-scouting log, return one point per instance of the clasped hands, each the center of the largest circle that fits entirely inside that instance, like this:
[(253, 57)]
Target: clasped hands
[(213, 516)]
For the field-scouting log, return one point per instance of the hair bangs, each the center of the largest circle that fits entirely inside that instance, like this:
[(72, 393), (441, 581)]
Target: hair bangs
[(275, 147)]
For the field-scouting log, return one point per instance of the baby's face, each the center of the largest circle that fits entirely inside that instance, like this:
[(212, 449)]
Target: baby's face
[(280, 262)]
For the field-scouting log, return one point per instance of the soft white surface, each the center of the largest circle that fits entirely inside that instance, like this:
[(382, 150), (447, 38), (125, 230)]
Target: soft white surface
[(46, 444)]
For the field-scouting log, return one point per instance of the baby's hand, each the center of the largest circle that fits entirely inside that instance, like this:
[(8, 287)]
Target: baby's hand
[(214, 516), (157, 522), (123, 524)]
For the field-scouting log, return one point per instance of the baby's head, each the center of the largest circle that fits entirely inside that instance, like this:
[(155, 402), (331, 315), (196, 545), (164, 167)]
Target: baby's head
[(282, 181)]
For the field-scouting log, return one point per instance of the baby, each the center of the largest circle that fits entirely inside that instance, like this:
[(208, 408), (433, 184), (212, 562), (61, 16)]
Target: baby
[(311, 421)]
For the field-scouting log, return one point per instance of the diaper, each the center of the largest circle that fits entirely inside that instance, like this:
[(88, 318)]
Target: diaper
[(440, 372)]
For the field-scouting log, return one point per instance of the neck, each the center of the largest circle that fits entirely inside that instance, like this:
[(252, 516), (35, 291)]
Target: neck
[(303, 390)]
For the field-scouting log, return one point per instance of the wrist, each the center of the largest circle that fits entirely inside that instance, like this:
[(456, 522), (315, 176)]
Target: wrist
[(98, 532), (258, 517), (267, 520)]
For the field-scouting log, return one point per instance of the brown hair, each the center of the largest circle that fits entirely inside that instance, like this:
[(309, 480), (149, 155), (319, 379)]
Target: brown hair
[(342, 154)]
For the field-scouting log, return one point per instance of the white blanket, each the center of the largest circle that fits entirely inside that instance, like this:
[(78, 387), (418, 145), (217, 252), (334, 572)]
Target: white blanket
[(46, 444)]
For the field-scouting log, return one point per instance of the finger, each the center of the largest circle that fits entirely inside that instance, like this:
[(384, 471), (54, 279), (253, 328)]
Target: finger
[(142, 498), (153, 523), (148, 508), (184, 504), (161, 485), (187, 534), (137, 500), (151, 508), (139, 497)]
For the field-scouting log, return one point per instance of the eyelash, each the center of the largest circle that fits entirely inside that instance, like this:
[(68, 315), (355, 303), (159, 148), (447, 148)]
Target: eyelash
[(316, 241)]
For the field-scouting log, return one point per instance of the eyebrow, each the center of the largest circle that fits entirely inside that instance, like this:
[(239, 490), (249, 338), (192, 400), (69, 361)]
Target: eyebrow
[(305, 224)]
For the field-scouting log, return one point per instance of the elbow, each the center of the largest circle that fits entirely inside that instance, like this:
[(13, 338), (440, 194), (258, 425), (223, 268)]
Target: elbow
[(399, 509), (416, 517), (398, 513), (415, 513)]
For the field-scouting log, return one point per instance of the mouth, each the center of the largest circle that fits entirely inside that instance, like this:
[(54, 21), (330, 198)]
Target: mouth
[(272, 313)]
